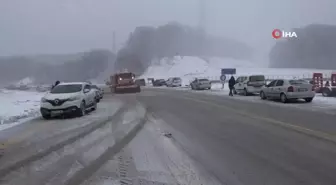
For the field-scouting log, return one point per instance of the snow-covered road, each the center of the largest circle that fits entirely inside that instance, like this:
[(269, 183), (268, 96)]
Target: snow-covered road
[(320, 103), (114, 153)]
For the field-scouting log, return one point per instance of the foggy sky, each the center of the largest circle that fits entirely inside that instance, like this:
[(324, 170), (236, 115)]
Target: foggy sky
[(66, 26)]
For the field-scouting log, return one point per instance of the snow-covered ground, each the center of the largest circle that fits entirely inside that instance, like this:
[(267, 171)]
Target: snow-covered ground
[(190, 67), (18, 106)]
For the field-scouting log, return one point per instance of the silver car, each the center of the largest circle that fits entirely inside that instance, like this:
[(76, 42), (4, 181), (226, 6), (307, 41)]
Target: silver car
[(174, 82), (200, 84), (288, 90)]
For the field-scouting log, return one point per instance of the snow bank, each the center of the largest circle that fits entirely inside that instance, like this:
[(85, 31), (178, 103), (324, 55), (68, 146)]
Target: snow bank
[(17, 106), (190, 67), (25, 81)]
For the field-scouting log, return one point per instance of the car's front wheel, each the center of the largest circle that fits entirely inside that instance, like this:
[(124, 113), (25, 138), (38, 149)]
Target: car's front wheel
[(308, 99), (46, 116), (245, 92), (326, 92), (262, 95), (81, 111), (94, 107)]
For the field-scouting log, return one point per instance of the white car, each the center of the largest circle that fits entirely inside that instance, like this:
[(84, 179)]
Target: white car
[(68, 98), (174, 82), (249, 84), (288, 90), (199, 84)]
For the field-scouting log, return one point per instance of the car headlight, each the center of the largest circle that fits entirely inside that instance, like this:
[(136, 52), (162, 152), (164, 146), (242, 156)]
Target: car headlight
[(43, 100), (74, 98), (120, 78)]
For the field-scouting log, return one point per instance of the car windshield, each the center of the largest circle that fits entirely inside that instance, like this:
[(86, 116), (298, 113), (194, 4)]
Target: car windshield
[(297, 82), (125, 75), (71, 88), (257, 78)]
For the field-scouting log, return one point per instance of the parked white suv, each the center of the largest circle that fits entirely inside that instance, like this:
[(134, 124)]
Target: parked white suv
[(68, 98), (249, 84)]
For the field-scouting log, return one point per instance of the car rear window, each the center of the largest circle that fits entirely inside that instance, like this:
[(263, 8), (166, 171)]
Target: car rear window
[(203, 80), (177, 79), (125, 75), (296, 82), (257, 78)]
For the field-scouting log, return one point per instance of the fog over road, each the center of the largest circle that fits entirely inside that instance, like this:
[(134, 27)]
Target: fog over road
[(214, 140)]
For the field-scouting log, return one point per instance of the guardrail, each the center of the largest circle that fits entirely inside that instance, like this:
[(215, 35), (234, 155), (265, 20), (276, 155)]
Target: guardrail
[(306, 76)]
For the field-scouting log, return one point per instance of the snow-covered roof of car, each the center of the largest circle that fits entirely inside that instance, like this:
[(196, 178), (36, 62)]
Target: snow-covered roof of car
[(73, 83)]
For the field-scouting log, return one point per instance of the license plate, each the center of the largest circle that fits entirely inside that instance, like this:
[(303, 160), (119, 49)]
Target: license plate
[(302, 89), (57, 112)]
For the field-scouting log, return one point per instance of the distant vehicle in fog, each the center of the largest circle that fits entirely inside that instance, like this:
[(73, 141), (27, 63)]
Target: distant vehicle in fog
[(200, 84), (99, 92), (43, 88), (140, 82), (174, 82), (159, 82)]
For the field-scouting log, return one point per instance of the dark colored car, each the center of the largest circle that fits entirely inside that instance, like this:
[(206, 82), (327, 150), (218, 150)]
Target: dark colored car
[(159, 82), (140, 82)]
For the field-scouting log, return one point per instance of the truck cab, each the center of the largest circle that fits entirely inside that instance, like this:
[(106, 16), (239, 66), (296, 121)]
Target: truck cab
[(124, 82)]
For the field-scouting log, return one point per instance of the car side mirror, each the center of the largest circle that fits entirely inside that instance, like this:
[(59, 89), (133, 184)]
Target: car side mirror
[(86, 90)]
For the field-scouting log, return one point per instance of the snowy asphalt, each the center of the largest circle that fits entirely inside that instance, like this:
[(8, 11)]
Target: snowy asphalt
[(242, 142), (214, 140)]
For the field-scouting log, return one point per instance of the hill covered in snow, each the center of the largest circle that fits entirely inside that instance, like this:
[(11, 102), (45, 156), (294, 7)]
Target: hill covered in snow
[(146, 43)]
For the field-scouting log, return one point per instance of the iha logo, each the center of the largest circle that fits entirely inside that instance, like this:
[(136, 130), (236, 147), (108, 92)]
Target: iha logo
[(278, 34)]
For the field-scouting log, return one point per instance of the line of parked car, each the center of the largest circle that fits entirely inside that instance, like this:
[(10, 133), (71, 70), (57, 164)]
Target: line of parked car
[(284, 90), (171, 82)]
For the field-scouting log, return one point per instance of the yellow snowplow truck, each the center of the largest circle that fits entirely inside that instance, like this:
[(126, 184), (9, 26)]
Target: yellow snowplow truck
[(124, 83)]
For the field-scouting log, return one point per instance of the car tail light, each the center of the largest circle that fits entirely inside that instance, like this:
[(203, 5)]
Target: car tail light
[(290, 89), (313, 88)]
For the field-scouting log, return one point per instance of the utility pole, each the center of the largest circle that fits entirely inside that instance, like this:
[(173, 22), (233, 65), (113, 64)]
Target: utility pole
[(202, 26), (114, 42)]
